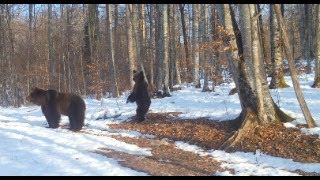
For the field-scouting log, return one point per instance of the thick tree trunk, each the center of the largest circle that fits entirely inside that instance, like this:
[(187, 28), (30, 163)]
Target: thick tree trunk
[(294, 76), (256, 102)]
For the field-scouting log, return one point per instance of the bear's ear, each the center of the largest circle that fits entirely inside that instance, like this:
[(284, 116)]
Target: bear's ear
[(141, 76), (134, 71)]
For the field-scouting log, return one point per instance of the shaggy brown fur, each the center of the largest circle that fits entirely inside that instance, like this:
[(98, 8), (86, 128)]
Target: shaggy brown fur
[(53, 104), (140, 95)]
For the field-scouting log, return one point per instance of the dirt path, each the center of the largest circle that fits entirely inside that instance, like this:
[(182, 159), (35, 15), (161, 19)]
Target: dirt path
[(166, 159)]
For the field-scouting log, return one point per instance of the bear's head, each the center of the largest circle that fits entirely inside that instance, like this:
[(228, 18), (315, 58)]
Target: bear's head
[(138, 76), (40, 97)]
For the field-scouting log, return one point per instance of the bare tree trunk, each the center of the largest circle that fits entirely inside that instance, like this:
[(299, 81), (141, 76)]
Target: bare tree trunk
[(264, 41), (135, 26), (176, 41), (216, 62), (110, 51), (166, 90), (4, 60), (142, 37), (308, 38), (29, 46), (205, 40), (277, 57), (185, 41), (256, 102), (293, 73), (316, 83), (67, 59), (116, 34), (302, 29), (131, 51), (152, 49), (50, 48), (160, 48), (195, 44)]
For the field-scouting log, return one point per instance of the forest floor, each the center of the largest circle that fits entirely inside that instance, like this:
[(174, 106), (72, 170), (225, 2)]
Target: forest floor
[(166, 128)]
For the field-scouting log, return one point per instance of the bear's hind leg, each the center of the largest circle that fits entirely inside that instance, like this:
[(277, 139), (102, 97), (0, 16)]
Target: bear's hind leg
[(142, 111), (76, 119)]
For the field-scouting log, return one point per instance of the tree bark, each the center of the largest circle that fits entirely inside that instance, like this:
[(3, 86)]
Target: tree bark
[(166, 90), (160, 48), (277, 57), (311, 123), (185, 41), (256, 102), (131, 51), (205, 40), (264, 41), (316, 83), (308, 38), (110, 51), (50, 48), (195, 44)]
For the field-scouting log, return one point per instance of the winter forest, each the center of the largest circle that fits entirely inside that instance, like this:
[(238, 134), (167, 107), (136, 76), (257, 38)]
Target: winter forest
[(160, 89)]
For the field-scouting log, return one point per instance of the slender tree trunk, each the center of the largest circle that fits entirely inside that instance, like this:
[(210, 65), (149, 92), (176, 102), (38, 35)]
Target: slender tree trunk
[(131, 51), (316, 83), (50, 48), (110, 51), (67, 58), (302, 29), (216, 62), (166, 90), (185, 41), (264, 41), (142, 37), (311, 123), (195, 44), (176, 41), (152, 48), (308, 38), (277, 57), (116, 34), (29, 46), (205, 40), (135, 28), (160, 48)]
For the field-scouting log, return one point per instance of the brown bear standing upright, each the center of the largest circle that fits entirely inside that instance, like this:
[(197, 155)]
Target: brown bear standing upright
[(53, 104), (140, 95)]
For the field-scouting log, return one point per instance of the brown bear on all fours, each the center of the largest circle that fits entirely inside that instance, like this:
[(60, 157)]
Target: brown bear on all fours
[(140, 95), (54, 103)]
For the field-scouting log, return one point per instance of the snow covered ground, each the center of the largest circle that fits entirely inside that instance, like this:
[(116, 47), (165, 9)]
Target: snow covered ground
[(27, 147)]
